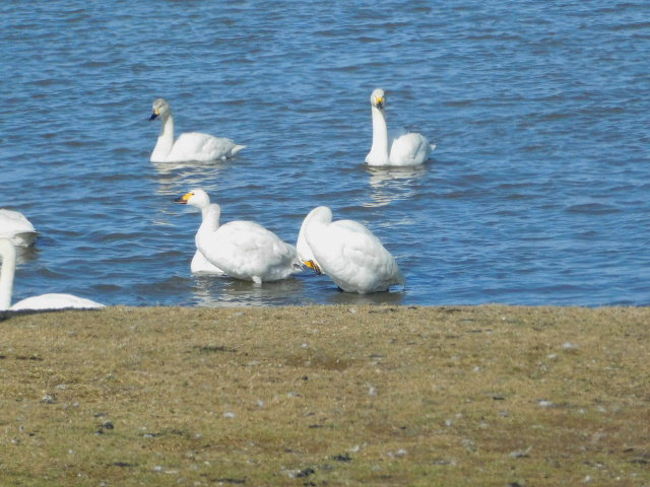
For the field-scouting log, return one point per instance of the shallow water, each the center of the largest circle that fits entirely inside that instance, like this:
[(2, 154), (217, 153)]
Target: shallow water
[(536, 194)]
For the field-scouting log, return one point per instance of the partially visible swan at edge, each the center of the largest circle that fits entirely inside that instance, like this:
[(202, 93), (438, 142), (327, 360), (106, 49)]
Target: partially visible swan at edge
[(241, 249), (190, 146), (14, 226), (345, 250), (42, 302), (408, 149)]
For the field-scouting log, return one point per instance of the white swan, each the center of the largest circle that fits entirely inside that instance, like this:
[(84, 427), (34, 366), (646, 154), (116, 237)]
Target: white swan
[(408, 149), (191, 146), (42, 302), (241, 249), (345, 250), (17, 228)]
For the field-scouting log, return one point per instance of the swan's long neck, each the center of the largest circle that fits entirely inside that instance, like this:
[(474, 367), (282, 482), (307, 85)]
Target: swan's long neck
[(165, 139), (8, 253), (316, 222), (379, 150), (210, 221)]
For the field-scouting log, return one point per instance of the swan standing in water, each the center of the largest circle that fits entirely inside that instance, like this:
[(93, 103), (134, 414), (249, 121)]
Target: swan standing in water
[(241, 249), (345, 250), (42, 302), (17, 228), (191, 146), (407, 149)]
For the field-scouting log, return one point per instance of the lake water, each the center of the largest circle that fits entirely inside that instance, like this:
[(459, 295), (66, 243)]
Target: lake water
[(538, 191)]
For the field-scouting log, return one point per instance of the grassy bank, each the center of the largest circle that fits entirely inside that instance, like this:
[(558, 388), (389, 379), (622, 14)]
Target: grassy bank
[(325, 396)]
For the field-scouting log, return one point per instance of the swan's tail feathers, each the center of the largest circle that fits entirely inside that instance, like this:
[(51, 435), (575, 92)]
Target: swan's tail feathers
[(236, 149), (433, 147)]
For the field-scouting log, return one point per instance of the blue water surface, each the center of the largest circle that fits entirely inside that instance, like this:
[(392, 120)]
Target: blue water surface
[(537, 192)]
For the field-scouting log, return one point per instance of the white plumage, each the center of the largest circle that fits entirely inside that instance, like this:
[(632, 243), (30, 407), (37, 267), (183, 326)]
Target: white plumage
[(406, 149), (201, 265), (55, 301), (42, 302), (16, 227), (190, 146), (241, 249), (345, 250)]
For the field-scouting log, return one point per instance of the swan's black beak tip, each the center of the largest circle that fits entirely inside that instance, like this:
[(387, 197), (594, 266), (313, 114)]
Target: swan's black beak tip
[(180, 200), (153, 117)]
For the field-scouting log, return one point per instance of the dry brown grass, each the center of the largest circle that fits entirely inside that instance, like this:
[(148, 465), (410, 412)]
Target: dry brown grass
[(326, 396)]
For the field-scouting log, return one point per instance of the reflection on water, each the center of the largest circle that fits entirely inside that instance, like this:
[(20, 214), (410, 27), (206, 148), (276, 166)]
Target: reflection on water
[(213, 291), (384, 298), (25, 254), (392, 183), (189, 174)]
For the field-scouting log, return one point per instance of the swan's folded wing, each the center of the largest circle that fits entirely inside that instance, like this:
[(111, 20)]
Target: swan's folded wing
[(408, 149), (219, 147), (247, 248)]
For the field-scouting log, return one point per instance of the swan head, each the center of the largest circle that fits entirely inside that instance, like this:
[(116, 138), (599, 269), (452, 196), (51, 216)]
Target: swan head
[(160, 108), (378, 98), (195, 197)]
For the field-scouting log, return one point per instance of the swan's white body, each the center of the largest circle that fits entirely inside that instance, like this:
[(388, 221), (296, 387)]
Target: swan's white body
[(241, 249), (190, 146), (408, 149), (17, 228), (201, 265), (43, 302), (345, 250), (55, 301)]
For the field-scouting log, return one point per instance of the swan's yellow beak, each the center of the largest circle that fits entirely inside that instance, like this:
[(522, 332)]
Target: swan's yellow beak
[(313, 265), (380, 102), (183, 199), (155, 114)]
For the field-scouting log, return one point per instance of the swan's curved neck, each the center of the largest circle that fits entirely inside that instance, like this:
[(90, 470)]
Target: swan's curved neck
[(210, 221), (8, 253), (165, 139), (317, 221), (379, 149)]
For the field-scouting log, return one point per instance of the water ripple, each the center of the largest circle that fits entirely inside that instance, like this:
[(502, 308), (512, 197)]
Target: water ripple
[(536, 193)]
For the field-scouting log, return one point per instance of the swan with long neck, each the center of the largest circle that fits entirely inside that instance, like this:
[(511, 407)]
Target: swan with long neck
[(190, 146), (241, 249), (16, 227), (350, 254), (408, 149), (42, 302)]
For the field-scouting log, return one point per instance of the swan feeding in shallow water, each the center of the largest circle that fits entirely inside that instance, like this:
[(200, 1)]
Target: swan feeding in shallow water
[(16, 227), (190, 146), (42, 302), (345, 250), (241, 249), (407, 149)]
